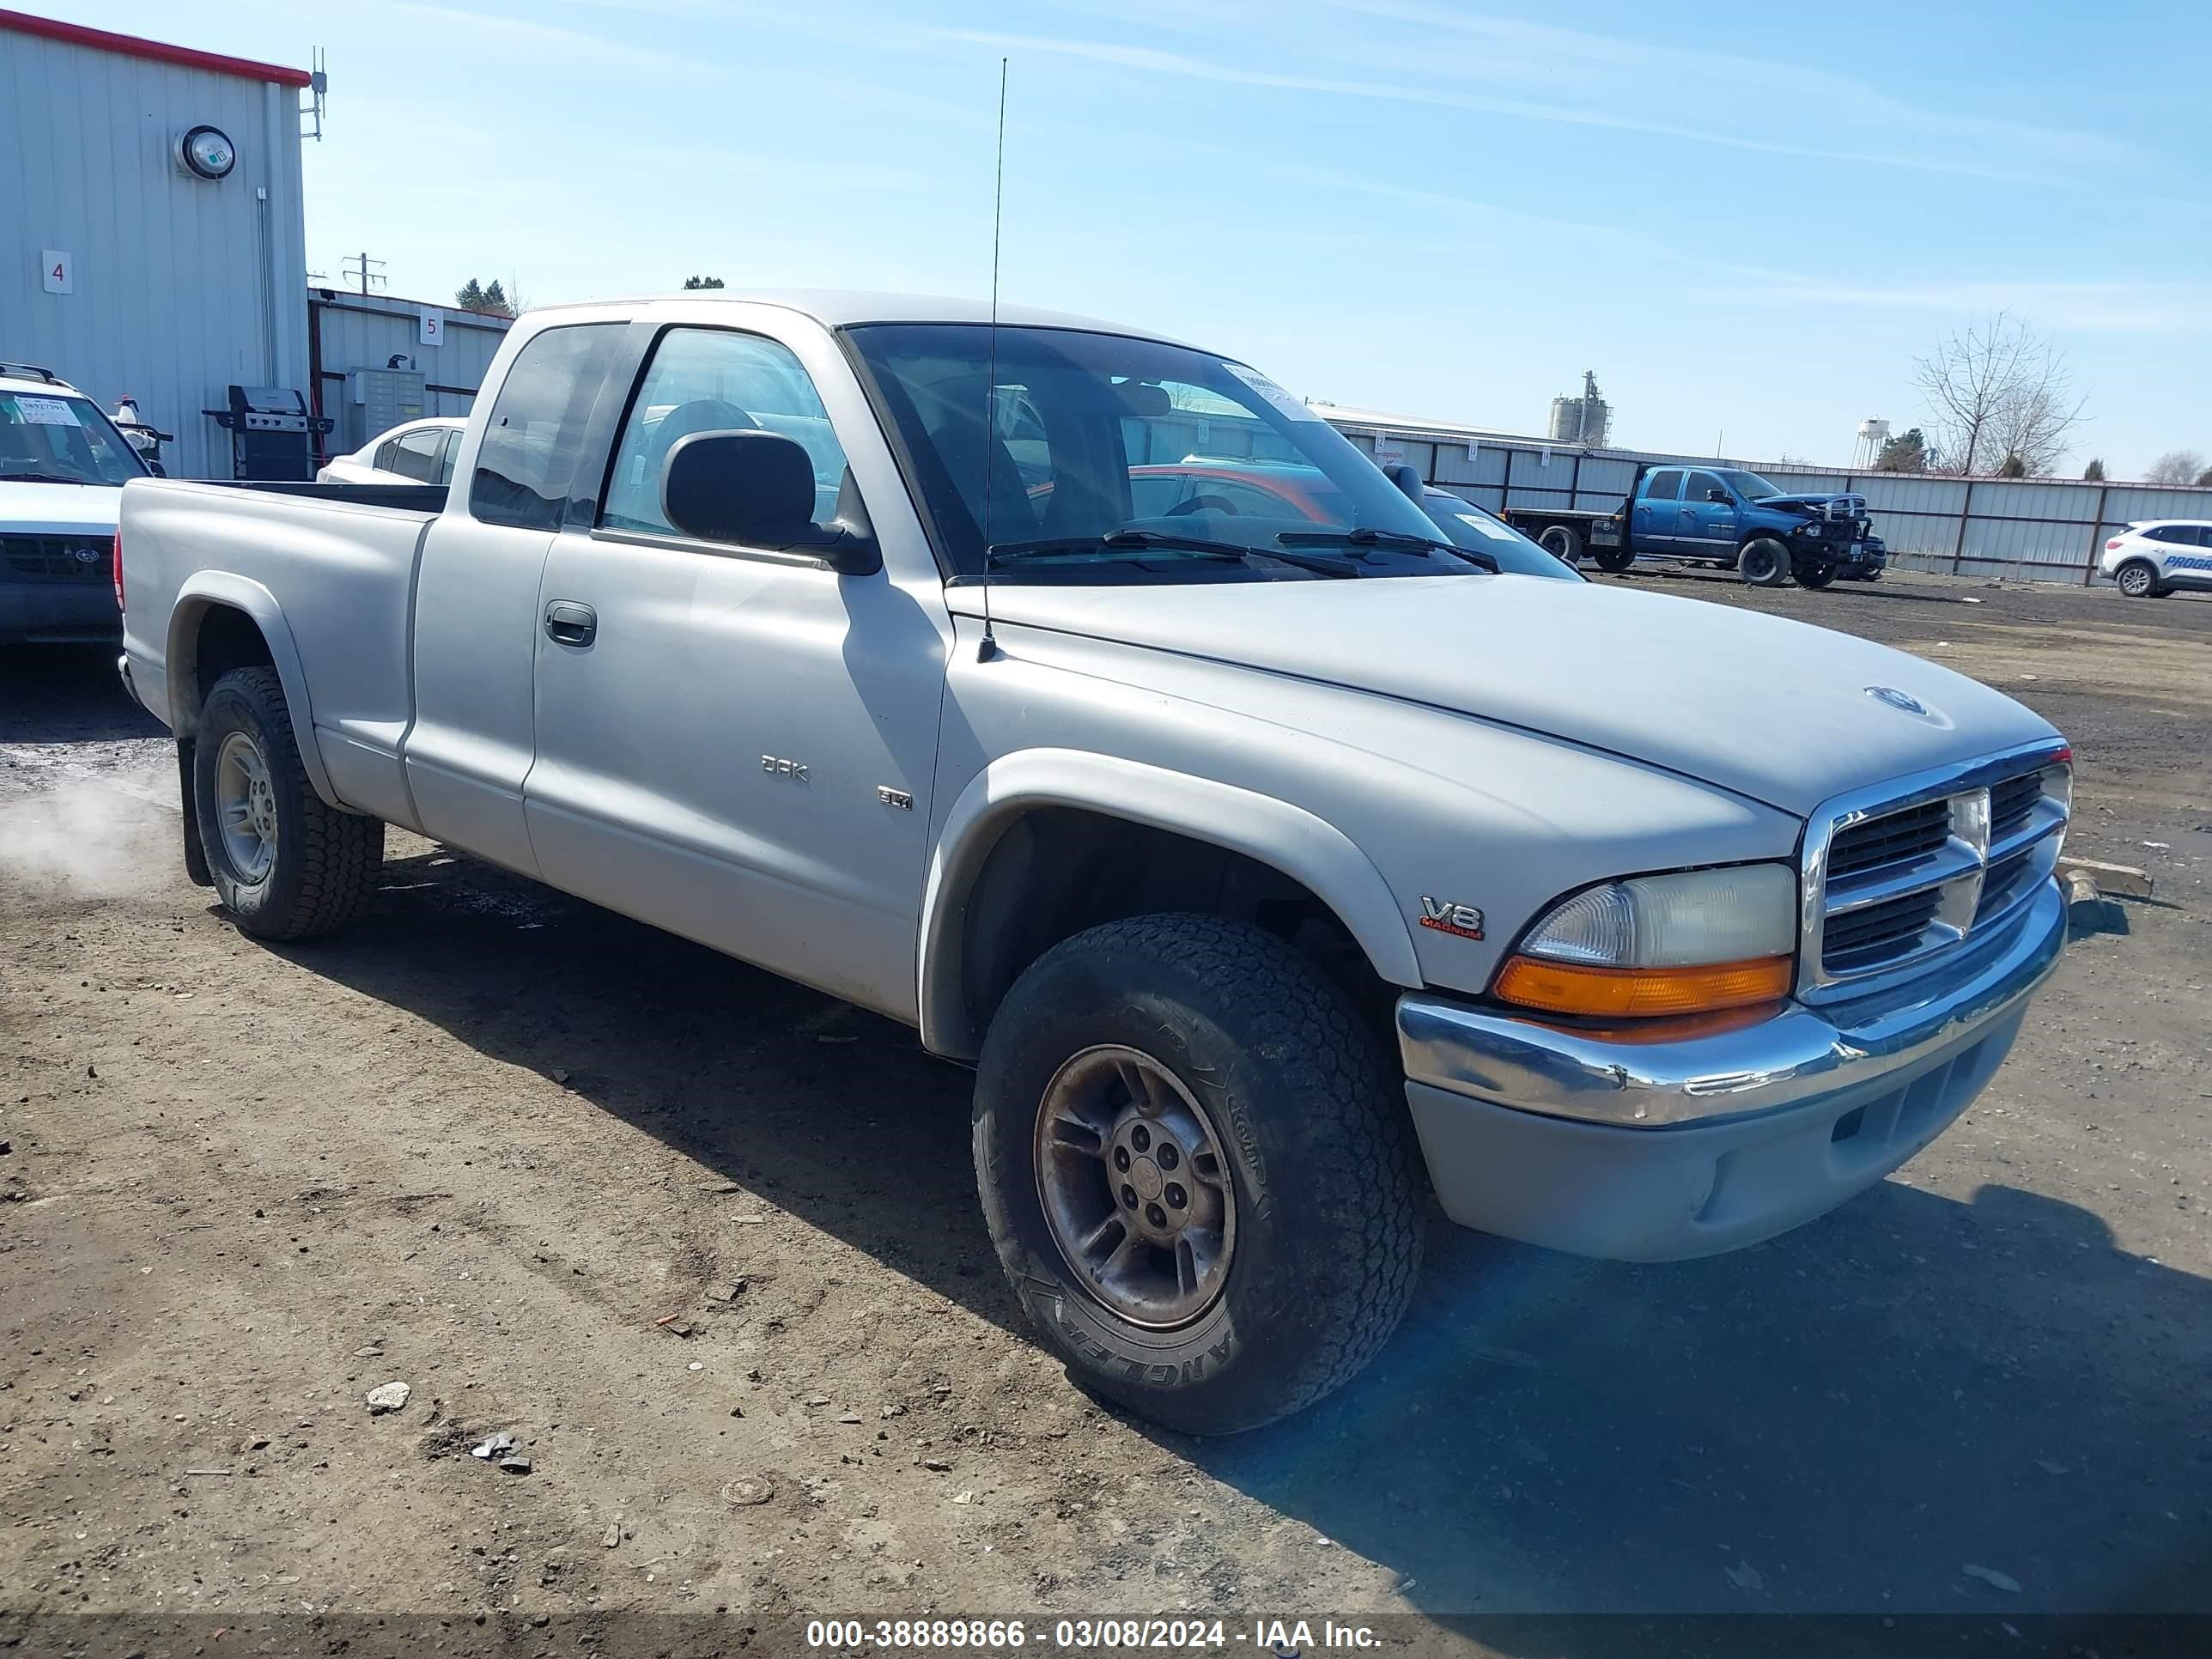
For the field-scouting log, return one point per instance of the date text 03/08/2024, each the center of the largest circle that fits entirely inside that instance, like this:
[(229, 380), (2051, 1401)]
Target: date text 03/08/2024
[(1283, 1636)]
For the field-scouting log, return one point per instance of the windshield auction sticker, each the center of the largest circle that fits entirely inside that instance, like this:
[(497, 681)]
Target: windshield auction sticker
[(1283, 402), (47, 411)]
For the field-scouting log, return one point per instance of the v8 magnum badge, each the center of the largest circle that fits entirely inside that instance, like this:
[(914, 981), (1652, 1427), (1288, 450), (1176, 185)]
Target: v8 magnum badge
[(1464, 920)]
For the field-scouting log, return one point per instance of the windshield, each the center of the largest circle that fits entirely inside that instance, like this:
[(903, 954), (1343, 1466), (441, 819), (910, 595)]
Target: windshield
[(61, 440), (1749, 485), (1094, 436), (1478, 529)]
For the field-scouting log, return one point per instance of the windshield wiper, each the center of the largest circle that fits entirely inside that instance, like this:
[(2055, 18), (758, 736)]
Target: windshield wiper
[(1366, 536), (40, 477), (1145, 541)]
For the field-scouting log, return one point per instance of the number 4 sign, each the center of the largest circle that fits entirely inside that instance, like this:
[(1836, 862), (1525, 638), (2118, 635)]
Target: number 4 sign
[(58, 272)]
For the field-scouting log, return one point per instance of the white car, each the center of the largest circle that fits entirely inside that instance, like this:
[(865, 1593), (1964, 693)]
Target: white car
[(2151, 560), (419, 452), (63, 466)]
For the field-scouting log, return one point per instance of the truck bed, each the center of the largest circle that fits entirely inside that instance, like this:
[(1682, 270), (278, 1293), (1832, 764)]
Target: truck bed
[(326, 572)]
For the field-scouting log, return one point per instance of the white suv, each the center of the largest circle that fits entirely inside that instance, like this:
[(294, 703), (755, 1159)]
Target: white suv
[(2161, 556), (63, 466)]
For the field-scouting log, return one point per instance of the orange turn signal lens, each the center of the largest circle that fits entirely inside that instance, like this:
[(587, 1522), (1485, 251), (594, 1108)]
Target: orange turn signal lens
[(1565, 987)]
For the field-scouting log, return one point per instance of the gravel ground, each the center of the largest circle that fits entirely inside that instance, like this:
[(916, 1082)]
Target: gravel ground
[(706, 1245)]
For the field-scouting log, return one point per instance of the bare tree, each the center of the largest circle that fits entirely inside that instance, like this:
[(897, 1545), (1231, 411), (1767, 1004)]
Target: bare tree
[(1999, 390), (2176, 466)]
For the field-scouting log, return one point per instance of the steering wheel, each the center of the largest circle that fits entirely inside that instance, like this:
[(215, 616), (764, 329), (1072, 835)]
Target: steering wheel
[(1201, 504)]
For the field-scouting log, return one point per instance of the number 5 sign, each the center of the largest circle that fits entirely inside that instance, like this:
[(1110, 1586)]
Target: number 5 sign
[(434, 328), (58, 272)]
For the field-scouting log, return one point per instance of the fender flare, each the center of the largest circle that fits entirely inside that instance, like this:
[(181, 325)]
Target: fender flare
[(201, 592), (1288, 838)]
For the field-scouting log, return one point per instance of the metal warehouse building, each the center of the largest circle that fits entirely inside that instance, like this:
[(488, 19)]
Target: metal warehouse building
[(137, 263)]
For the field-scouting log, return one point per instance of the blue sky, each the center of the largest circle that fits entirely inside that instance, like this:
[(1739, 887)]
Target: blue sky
[(1747, 219)]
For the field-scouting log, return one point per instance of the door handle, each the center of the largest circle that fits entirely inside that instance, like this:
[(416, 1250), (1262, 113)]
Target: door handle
[(568, 622)]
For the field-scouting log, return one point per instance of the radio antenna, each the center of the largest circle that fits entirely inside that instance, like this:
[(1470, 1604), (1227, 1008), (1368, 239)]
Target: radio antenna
[(989, 647)]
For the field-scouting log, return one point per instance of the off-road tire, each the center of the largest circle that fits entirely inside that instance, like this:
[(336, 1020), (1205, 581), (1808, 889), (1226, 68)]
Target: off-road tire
[(1615, 560), (1815, 573), (1328, 1189), (326, 861), (1764, 562), (1562, 541), (2138, 578)]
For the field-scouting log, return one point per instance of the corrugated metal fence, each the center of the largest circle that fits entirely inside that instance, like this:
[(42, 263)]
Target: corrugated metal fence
[(2033, 529)]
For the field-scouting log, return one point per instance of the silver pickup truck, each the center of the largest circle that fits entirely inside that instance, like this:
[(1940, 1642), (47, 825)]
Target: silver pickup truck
[(1274, 864)]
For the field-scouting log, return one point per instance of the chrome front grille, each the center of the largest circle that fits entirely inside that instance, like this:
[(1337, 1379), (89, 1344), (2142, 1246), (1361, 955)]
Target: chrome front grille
[(1894, 877)]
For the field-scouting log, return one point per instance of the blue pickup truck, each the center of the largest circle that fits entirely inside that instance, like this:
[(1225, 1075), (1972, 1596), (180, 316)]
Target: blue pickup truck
[(1723, 516)]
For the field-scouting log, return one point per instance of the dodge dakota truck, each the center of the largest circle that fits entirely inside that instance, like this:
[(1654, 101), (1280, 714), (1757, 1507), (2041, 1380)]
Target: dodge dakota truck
[(1274, 868), (1721, 516)]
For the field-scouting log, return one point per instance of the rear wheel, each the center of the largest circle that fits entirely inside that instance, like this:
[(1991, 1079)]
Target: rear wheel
[(1562, 542), (1197, 1171), (287, 864), (2137, 579), (1764, 562), (1615, 560)]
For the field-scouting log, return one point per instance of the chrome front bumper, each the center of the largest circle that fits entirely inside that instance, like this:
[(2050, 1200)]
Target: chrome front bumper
[(1650, 1151)]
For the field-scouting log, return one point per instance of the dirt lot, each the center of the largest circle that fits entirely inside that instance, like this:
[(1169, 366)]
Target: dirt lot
[(706, 1246)]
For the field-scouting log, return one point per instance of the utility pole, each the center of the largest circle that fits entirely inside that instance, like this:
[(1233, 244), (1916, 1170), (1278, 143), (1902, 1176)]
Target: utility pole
[(363, 270)]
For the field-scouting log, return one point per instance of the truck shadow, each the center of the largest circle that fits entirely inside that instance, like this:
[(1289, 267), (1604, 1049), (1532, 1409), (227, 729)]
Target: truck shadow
[(1838, 1421), (67, 694)]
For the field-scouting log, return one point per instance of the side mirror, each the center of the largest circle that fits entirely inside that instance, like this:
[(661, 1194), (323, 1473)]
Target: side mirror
[(1720, 496), (1408, 477), (756, 490)]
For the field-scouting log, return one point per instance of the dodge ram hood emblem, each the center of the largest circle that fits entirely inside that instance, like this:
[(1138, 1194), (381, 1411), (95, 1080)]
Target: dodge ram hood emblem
[(1903, 702)]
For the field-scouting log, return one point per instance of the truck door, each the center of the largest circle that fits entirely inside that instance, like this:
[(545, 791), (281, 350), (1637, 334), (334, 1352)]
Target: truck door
[(476, 597), (735, 744), (1708, 526), (1656, 517)]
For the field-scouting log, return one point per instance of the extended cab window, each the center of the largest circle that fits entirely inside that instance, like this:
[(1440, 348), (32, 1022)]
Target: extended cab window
[(705, 379), (526, 459), (1665, 487)]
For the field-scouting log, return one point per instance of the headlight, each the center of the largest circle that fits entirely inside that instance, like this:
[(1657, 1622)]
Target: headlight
[(1687, 944)]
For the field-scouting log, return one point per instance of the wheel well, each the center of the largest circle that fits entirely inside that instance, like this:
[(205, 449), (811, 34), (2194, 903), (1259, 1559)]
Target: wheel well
[(1057, 871), (224, 638)]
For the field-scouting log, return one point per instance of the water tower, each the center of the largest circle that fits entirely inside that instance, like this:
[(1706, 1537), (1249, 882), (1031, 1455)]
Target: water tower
[(1874, 438)]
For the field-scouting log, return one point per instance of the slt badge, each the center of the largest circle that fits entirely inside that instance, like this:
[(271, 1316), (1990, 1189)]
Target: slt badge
[(1463, 920)]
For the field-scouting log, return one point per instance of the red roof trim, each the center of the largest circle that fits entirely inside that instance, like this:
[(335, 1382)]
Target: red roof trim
[(130, 45)]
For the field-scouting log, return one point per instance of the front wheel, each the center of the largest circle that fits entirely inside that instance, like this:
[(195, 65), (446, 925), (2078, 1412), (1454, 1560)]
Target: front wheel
[(1197, 1171), (1764, 562), (2137, 579), (287, 864), (1816, 573)]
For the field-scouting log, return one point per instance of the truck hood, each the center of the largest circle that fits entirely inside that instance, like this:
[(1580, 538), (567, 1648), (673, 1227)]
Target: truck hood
[(1771, 710), (44, 509), (1856, 503)]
